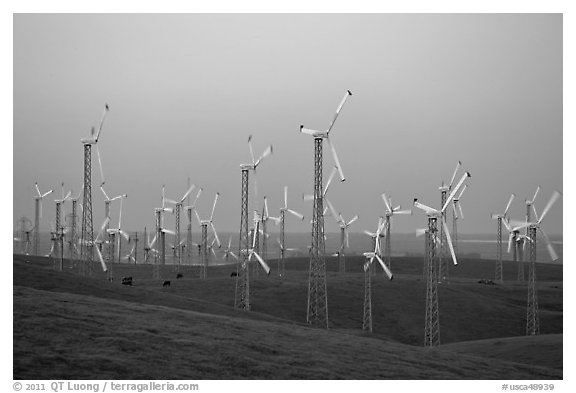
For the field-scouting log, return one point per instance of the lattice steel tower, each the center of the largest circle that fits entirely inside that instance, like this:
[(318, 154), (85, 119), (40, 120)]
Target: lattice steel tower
[(499, 276), (443, 261), (367, 319), (204, 266), (87, 235), (432, 324), (242, 291), (532, 316)]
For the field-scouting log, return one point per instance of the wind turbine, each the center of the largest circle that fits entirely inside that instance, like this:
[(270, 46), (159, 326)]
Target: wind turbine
[(177, 208), (499, 276), (37, 215), (457, 207), (390, 212), (59, 227), (370, 256), (228, 252), (161, 236), (189, 210), (204, 226), (130, 256), (282, 241), (532, 314), (118, 232), (344, 238), (23, 234), (443, 263), (317, 309), (432, 324), (242, 287), (375, 236), (110, 235), (73, 237), (87, 236)]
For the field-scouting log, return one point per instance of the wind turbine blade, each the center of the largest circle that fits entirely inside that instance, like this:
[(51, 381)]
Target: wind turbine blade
[(369, 233), (198, 217), (172, 201), (332, 210), (197, 196), (454, 210), (215, 234), (47, 193), (251, 149), (454, 174), (386, 202), (510, 241), (329, 181), (455, 190), (214, 206), (352, 220), (171, 232), (336, 160), (347, 239), (192, 187), (229, 243), (104, 192), (266, 153), (460, 209), (408, 212), (509, 203), (549, 246), (449, 240), (38, 190), (535, 212), (507, 224), (153, 241), (285, 197), (388, 272), (308, 197), (262, 263), (126, 236), (213, 252), (462, 192), (104, 224), (420, 232), (536, 193), (106, 109), (104, 267), (266, 215), (348, 93), (551, 202), (100, 164), (234, 255)]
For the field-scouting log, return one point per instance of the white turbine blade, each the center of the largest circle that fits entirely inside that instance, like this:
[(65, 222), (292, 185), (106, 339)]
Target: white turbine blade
[(535, 212), (153, 241), (348, 93), (104, 192), (408, 212), (332, 210), (495, 216), (308, 131), (510, 241), (266, 215), (266, 153), (369, 233), (262, 263), (104, 224), (427, 209), (104, 267), (172, 201), (454, 210), (214, 206), (329, 181), (517, 225), (507, 224), (336, 160), (449, 240), (126, 236), (275, 219), (352, 220), (308, 197), (197, 196), (388, 272), (386, 202), (229, 243), (215, 235), (509, 203), (192, 187), (100, 164), (171, 232), (47, 192), (120, 215), (38, 190), (462, 192), (549, 246), (198, 217), (347, 239), (454, 174), (234, 255), (460, 209), (551, 202), (213, 252), (106, 109), (536, 193), (455, 190), (285, 197), (251, 149)]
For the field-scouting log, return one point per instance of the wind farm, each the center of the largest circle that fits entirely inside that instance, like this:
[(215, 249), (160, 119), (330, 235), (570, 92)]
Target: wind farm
[(470, 288)]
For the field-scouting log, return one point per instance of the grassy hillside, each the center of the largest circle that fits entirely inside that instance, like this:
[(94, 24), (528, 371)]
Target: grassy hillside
[(66, 326)]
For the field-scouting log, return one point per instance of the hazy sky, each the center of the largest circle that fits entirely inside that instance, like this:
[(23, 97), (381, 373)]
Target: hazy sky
[(185, 91)]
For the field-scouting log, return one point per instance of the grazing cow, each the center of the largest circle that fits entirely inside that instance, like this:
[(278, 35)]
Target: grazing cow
[(179, 275), (127, 280), (166, 283), (233, 274)]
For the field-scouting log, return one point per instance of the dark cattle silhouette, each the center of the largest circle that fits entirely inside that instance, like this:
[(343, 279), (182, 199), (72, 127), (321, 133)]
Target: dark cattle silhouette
[(179, 275), (127, 280), (233, 274), (166, 283)]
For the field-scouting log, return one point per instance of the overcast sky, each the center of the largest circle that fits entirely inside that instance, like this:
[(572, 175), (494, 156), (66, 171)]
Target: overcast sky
[(185, 91)]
